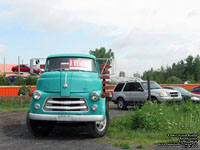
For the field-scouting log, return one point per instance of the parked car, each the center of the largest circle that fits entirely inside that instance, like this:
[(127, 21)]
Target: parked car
[(24, 68), (136, 93), (196, 90), (185, 93)]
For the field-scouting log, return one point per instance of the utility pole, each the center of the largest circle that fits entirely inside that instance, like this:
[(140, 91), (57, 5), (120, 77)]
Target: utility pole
[(149, 88), (4, 62), (18, 65)]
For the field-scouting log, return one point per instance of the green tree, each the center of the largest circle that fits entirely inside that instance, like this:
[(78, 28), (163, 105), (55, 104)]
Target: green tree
[(122, 74), (197, 68), (102, 53)]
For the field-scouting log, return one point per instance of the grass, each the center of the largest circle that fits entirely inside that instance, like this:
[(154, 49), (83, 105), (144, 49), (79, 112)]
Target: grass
[(151, 124), (14, 105)]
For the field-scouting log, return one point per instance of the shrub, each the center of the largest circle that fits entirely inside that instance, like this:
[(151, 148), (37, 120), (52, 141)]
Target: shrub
[(19, 81), (4, 81), (174, 80), (24, 91), (183, 117), (31, 80)]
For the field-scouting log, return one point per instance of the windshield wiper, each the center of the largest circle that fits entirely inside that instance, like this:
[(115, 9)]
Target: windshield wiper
[(59, 69), (78, 70)]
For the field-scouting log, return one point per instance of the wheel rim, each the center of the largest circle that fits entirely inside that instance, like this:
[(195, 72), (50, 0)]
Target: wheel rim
[(120, 104), (101, 125)]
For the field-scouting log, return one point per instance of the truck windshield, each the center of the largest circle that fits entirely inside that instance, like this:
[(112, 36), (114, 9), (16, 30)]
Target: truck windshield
[(153, 85), (70, 64)]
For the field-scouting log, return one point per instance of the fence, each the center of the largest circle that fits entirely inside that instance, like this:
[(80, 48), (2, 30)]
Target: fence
[(12, 91)]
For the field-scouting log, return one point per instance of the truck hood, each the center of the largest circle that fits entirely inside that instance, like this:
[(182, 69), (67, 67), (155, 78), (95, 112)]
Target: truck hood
[(77, 81)]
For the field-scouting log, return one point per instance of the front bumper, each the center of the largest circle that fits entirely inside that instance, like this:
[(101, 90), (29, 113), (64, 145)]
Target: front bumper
[(170, 99), (67, 118)]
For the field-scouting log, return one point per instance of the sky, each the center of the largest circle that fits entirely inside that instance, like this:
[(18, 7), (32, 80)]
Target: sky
[(141, 33)]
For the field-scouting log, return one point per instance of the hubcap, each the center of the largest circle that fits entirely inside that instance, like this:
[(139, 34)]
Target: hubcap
[(101, 125), (120, 104)]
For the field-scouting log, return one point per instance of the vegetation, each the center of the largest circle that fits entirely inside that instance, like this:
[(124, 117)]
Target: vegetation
[(24, 91), (14, 104), (121, 74), (19, 81), (4, 81), (102, 53), (184, 70), (151, 124)]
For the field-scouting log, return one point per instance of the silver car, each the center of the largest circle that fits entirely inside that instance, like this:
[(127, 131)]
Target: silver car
[(136, 93)]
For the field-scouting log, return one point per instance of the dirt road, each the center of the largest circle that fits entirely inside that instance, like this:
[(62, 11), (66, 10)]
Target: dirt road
[(14, 136)]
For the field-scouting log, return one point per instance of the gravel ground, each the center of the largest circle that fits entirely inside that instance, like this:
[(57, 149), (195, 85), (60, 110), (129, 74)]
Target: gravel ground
[(14, 136)]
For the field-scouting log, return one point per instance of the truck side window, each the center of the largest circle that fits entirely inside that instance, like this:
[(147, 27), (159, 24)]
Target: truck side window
[(119, 87)]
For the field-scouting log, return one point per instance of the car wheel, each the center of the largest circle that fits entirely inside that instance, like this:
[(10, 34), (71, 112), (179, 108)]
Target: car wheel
[(121, 104), (39, 128), (154, 100), (99, 128)]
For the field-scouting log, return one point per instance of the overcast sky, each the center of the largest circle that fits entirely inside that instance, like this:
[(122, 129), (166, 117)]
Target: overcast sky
[(142, 33)]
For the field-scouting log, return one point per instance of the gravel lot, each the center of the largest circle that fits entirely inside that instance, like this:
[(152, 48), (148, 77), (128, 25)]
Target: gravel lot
[(14, 136)]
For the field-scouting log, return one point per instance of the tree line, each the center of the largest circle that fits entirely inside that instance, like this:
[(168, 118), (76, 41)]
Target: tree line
[(184, 70)]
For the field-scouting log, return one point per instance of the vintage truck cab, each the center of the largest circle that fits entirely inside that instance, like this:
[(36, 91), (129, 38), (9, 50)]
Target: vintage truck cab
[(69, 90)]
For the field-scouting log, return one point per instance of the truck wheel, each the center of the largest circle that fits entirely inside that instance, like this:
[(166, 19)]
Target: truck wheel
[(99, 128), (121, 104), (39, 128)]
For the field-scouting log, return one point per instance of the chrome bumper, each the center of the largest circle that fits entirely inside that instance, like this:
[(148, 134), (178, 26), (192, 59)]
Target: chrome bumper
[(70, 118), (171, 98)]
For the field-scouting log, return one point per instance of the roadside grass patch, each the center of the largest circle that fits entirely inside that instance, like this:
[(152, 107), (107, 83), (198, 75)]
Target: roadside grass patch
[(14, 105), (151, 124)]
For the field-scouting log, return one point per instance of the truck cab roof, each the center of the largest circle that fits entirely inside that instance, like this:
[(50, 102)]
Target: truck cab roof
[(72, 55)]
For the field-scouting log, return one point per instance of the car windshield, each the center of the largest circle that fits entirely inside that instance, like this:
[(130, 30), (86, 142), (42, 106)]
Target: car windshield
[(153, 85), (70, 64), (180, 89)]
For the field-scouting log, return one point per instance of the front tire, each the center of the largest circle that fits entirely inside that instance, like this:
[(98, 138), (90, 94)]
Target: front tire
[(39, 128), (154, 100), (99, 128), (121, 104)]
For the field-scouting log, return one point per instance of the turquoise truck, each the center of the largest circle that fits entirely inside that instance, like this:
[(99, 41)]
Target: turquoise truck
[(70, 90)]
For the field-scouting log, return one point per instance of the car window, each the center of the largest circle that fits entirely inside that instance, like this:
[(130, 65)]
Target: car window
[(137, 87), (127, 87), (167, 88), (133, 87), (119, 87)]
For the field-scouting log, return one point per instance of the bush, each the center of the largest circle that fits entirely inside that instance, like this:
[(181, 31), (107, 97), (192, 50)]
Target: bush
[(24, 91), (31, 80), (19, 81), (173, 80), (183, 117), (4, 81)]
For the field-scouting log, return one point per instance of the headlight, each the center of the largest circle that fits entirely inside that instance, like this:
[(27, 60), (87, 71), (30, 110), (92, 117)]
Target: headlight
[(163, 94), (94, 96), (195, 98), (37, 95)]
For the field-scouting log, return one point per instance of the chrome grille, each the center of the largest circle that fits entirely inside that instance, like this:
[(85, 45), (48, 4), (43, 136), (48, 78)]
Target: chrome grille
[(65, 104), (173, 94)]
